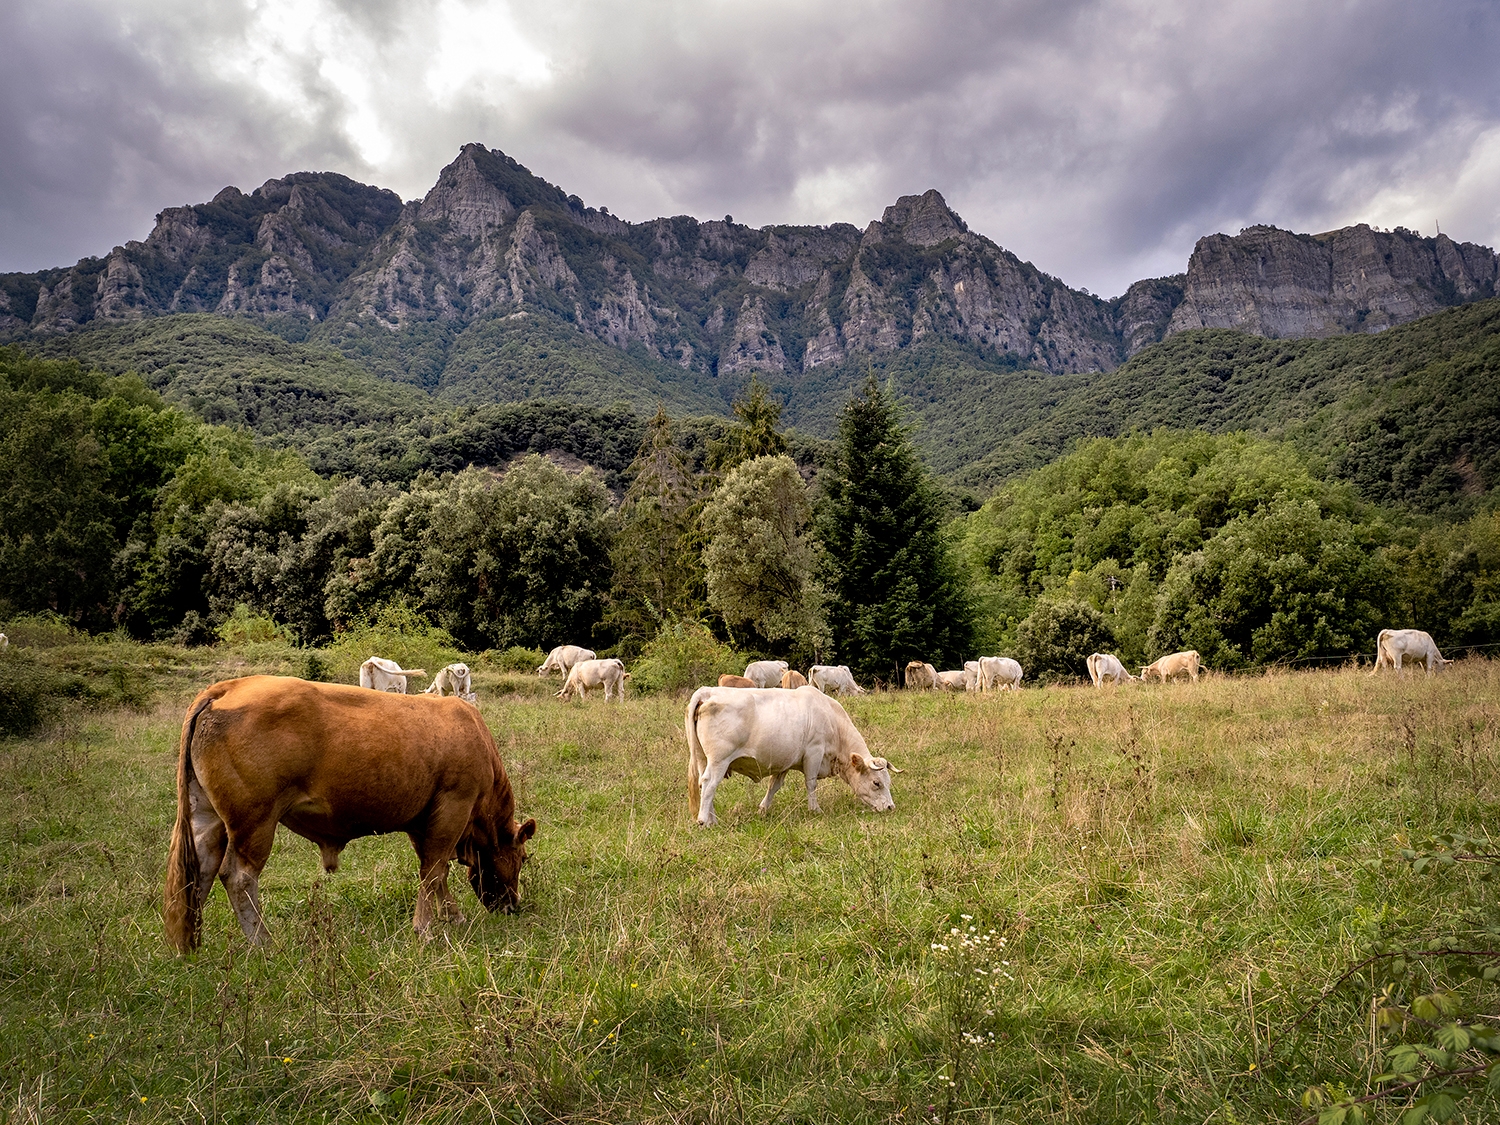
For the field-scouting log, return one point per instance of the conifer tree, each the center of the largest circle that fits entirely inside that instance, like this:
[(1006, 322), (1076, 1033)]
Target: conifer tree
[(658, 573), (754, 433), (897, 593)]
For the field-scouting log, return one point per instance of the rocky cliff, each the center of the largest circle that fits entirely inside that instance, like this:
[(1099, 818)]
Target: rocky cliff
[(1274, 283), (357, 268)]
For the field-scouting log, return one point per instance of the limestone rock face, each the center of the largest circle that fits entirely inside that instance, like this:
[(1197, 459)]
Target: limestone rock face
[(1274, 283), (491, 241)]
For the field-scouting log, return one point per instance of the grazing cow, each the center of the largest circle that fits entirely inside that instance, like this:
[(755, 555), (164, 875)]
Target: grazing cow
[(766, 673), (921, 676), (764, 733), (996, 673), (1394, 647), (332, 763), (563, 657), (609, 674), (971, 675), (1103, 666), (381, 674), (735, 681), (833, 679), (4, 641), (792, 679), (453, 680), (1177, 664), (952, 681)]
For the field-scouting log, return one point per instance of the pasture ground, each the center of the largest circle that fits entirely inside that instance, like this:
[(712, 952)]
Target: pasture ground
[(1175, 873)]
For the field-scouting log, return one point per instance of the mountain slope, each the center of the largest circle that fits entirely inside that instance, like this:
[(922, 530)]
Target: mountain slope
[(1410, 416)]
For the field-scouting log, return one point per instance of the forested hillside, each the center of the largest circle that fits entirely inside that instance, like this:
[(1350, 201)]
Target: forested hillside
[(1410, 416)]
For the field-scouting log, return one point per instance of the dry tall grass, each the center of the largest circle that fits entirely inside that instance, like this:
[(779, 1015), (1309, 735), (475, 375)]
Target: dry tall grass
[(1174, 870)]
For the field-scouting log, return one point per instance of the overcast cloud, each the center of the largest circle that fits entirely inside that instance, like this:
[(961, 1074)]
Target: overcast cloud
[(1097, 138)]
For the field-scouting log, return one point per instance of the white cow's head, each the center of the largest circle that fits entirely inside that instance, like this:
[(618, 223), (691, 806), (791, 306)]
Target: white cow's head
[(870, 778)]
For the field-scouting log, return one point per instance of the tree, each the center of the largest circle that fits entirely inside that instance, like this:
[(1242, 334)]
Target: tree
[(761, 561), (896, 590), (518, 560), (754, 434), (658, 574), (1284, 582), (1056, 639)]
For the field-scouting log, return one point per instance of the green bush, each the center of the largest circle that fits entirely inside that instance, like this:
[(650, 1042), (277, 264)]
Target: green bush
[(397, 632), (42, 630), (518, 658), (684, 656), (244, 627), (30, 692), (1054, 643)]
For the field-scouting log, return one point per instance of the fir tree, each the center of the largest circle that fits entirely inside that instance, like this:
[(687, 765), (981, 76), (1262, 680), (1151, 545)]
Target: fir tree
[(897, 591), (754, 433), (658, 573)]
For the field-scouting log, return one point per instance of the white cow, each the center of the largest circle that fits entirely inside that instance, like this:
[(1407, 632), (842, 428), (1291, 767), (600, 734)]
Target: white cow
[(997, 673), (833, 679), (971, 675), (1104, 666), (453, 680), (1177, 664), (4, 641), (766, 673), (761, 732), (1394, 647), (921, 676), (609, 674), (563, 657), (953, 681), (386, 675)]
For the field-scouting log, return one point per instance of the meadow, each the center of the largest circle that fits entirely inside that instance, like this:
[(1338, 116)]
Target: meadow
[(1086, 907)]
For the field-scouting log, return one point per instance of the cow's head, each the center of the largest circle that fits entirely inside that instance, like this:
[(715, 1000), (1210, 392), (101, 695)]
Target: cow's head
[(493, 850), (870, 778)]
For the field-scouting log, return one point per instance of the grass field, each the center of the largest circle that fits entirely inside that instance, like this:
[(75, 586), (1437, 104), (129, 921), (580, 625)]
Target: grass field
[(1170, 874)]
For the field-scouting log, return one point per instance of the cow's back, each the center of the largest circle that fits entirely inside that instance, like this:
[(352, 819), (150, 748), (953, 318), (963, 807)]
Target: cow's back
[(372, 759)]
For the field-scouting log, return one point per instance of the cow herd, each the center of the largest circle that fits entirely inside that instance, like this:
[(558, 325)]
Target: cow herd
[(333, 762)]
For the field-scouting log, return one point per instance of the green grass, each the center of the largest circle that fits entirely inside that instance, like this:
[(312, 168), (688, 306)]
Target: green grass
[(1175, 870)]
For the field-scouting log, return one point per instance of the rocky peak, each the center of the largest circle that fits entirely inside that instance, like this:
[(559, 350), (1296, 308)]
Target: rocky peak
[(922, 220), (466, 198)]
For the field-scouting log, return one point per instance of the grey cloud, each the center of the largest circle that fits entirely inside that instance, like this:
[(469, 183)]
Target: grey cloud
[(1098, 138)]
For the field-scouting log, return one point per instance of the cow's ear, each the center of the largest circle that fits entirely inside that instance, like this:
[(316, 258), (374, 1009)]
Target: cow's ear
[(859, 763), (526, 831)]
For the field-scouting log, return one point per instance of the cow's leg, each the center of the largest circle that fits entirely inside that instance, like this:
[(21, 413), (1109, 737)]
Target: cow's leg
[(812, 789), (244, 859), (772, 790), (210, 839), (713, 774), (435, 846)]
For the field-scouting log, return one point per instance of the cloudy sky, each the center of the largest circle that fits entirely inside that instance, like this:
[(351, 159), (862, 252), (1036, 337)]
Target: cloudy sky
[(1096, 138)]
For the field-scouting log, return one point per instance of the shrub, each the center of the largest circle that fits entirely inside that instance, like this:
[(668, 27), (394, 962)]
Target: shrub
[(518, 658), (42, 630), (244, 627), (30, 692), (1056, 640), (397, 632), (684, 656)]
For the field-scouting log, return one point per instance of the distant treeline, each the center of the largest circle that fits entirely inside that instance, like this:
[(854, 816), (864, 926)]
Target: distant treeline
[(120, 511)]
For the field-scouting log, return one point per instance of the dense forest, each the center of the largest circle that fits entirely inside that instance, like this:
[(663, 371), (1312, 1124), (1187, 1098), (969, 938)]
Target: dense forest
[(1258, 500)]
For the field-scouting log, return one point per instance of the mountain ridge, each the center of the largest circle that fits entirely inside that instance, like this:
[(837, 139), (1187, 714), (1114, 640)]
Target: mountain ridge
[(396, 286)]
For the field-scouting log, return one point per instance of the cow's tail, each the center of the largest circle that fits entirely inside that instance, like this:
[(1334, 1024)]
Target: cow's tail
[(1379, 650), (697, 759), (181, 909)]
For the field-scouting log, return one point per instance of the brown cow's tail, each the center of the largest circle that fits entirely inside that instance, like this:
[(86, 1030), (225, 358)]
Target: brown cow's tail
[(697, 760), (181, 910)]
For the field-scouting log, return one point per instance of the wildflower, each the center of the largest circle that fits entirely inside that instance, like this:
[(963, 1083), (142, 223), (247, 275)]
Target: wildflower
[(143, 1099), (286, 1060), (634, 985)]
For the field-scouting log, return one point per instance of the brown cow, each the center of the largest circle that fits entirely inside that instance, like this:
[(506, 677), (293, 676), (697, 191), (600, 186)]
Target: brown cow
[(735, 681), (792, 679), (333, 763)]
